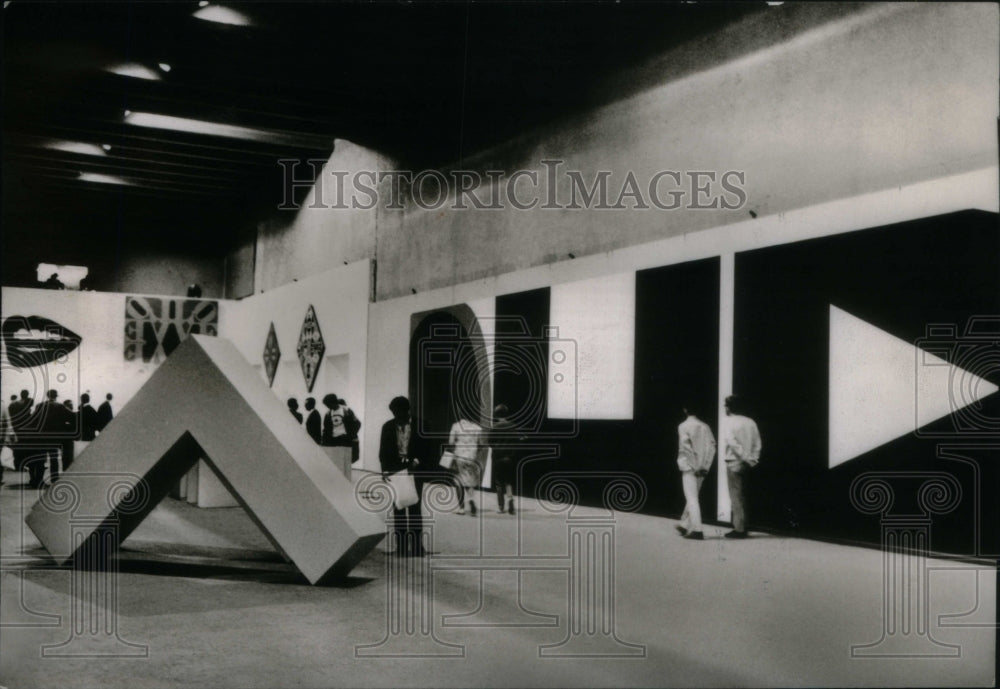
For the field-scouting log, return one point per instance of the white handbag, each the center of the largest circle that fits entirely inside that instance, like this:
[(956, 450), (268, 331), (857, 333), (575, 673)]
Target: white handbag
[(404, 488), (7, 458), (447, 459)]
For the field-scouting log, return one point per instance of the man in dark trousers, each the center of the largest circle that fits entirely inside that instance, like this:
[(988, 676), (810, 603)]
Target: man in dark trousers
[(402, 448), (55, 424), (7, 435), (741, 447), (104, 413), (314, 421), (504, 442), (20, 415), (88, 419)]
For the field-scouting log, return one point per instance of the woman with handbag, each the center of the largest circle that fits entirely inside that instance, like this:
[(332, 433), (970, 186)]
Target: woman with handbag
[(465, 440)]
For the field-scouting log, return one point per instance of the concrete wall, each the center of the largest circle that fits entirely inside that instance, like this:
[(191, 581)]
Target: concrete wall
[(298, 243), (813, 106), (891, 96), (168, 273)]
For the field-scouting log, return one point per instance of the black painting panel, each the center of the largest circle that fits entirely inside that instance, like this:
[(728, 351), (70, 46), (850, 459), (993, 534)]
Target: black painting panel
[(521, 356), (676, 363), (899, 278), (677, 336), (438, 342)]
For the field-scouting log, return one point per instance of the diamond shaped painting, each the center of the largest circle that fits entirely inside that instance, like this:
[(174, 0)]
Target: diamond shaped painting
[(272, 354), (310, 348)]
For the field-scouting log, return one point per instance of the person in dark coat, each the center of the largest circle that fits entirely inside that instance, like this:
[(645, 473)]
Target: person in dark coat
[(402, 448), (20, 415), (504, 442), (8, 438), (104, 413), (72, 429), (293, 407), (55, 424), (314, 421), (88, 419)]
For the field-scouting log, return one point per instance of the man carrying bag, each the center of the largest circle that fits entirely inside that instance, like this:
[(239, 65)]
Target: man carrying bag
[(401, 452)]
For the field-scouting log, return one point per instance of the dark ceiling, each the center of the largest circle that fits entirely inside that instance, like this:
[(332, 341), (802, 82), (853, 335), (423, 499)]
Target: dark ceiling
[(425, 83)]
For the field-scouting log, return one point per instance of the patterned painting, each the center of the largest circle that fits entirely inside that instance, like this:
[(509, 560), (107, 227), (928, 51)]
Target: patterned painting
[(310, 348), (154, 326), (272, 354)]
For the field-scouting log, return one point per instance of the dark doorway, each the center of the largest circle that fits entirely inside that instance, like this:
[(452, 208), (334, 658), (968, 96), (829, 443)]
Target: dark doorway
[(449, 375)]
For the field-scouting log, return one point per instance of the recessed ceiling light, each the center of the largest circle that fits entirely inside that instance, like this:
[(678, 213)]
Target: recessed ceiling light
[(134, 69), (75, 147), (222, 15), (104, 179), (203, 3), (106, 147), (230, 131), (164, 66)]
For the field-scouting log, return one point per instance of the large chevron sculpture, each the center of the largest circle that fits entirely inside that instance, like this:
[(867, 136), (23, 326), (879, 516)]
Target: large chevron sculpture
[(206, 401)]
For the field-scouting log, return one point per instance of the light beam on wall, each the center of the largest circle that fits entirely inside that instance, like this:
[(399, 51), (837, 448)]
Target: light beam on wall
[(230, 131), (883, 387), (105, 179), (222, 15), (77, 147), (592, 360), (134, 70)]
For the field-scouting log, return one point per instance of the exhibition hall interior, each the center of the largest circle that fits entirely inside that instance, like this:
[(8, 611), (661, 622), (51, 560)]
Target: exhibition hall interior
[(499, 344)]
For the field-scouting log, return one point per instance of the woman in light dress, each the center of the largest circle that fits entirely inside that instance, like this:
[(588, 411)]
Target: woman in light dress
[(466, 440)]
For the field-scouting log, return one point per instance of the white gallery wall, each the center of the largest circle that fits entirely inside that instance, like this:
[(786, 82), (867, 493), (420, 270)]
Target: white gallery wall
[(339, 298), (98, 365)]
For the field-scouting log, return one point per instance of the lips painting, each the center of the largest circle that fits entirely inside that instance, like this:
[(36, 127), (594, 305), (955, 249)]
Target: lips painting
[(36, 340)]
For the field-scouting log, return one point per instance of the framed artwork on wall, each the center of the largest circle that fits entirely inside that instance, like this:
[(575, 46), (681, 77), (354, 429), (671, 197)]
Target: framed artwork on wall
[(310, 348), (154, 326), (272, 355)]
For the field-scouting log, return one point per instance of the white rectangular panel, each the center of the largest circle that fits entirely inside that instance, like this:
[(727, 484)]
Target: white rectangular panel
[(592, 348)]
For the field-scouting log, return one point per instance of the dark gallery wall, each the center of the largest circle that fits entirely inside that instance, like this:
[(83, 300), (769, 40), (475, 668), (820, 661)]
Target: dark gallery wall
[(899, 279), (889, 285), (676, 359), (676, 363)]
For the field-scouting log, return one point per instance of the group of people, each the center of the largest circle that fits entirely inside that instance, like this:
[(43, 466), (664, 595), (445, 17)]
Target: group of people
[(402, 447), (41, 436), (338, 427), (741, 447)]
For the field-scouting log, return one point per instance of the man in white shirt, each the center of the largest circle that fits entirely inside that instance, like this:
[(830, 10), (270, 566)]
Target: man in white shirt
[(695, 454), (741, 447)]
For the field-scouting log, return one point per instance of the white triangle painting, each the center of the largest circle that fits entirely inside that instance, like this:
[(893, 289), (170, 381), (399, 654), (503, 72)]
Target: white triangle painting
[(883, 387)]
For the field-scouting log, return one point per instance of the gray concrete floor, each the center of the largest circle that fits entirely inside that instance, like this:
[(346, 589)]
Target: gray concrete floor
[(203, 595)]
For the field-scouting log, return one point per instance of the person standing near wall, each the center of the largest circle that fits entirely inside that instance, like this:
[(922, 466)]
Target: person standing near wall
[(465, 438), (88, 419), (7, 435), (314, 421), (741, 448), (695, 454), (53, 422), (334, 430), (104, 413), (72, 430), (20, 415), (340, 425), (293, 409), (402, 449), (503, 444)]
